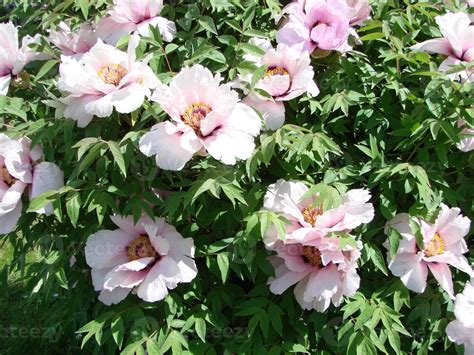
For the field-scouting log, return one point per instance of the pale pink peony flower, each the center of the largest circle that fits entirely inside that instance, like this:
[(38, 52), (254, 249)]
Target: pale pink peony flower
[(359, 11), (466, 144), (461, 330), (206, 117), (444, 245), (289, 75), (457, 44), (128, 16), (312, 253), (148, 258), (307, 216), (317, 24), (73, 43), (20, 167), (102, 79), (323, 271), (12, 57)]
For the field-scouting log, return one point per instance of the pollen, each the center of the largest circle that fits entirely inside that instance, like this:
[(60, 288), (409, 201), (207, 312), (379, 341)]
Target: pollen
[(312, 255), (435, 246), (194, 114), (271, 71), (112, 73), (141, 248), (6, 177), (311, 213)]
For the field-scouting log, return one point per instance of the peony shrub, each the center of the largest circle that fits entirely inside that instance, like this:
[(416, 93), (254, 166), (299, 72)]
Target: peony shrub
[(225, 176)]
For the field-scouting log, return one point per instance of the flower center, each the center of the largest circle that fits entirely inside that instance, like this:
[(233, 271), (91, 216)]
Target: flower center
[(435, 246), (141, 248), (194, 114), (112, 73), (311, 213), (271, 71), (312, 255), (6, 177)]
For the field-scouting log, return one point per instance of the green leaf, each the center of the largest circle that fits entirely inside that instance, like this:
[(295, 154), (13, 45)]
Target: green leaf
[(90, 157), (275, 318), (62, 279), (233, 193), (84, 6), (200, 327), (416, 229), (346, 239), (372, 36), (73, 208), (208, 23), (117, 329), (394, 238), (119, 160), (223, 263), (364, 316), (84, 145), (135, 348), (152, 346), (264, 323), (216, 56), (94, 328), (174, 341), (376, 256), (326, 196), (42, 200), (252, 49), (258, 74), (45, 68)]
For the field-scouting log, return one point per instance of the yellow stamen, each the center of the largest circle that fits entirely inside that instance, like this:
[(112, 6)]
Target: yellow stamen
[(312, 255), (141, 248), (194, 114), (311, 213), (112, 73), (6, 177), (276, 71), (435, 246)]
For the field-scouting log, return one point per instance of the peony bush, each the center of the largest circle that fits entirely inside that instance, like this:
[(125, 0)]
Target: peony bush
[(222, 176)]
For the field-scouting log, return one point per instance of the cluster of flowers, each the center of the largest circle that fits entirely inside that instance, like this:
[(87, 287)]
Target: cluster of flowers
[(317, 252), (21, 167)]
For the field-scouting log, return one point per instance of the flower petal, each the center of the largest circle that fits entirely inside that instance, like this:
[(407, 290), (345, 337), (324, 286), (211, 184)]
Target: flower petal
[(123, 278), (107, 248), (126, 223), (451, 225), (129, 99), (464, 305), (235, 139), (4, 84), (164, 141), (273, 113), (75, 109), (437, 45), (411, 270), (115, 296), (323, 284), (11, 198), (46, 177), (442, 273), (163, 276), (9, 220)]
